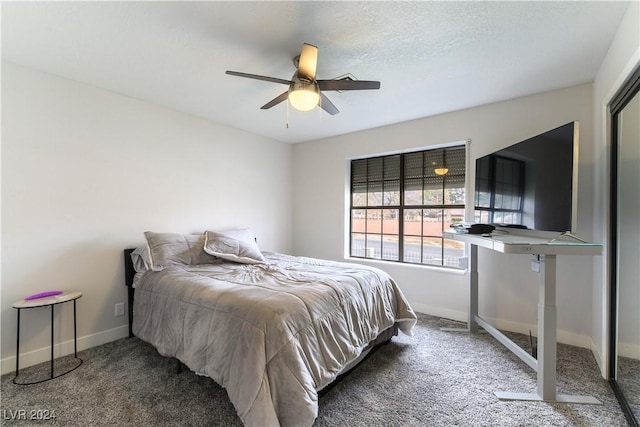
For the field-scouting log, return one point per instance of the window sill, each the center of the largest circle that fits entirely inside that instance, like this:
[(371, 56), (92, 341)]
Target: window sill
[(380, 262)]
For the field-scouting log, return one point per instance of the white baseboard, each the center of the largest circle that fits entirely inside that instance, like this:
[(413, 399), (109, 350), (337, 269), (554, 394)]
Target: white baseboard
[(40, 355), (598, 356), (460, 316), (564, 337), (632, 351)]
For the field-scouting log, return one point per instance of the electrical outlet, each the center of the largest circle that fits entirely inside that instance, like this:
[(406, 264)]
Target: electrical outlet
[(120, 309)]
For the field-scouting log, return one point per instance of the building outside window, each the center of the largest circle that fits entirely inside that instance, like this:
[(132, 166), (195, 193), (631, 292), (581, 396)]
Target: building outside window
[(401, 204)]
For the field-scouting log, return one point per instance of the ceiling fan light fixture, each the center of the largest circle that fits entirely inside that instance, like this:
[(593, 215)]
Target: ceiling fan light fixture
[(304, 96)]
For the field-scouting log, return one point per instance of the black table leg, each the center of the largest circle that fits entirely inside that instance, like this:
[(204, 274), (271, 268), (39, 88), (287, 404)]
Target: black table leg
[(52, 341), (75, 337), (18, 346)]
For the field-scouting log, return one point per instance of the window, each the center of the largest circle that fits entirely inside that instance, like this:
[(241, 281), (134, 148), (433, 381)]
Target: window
[(499, 190), (401, 204)]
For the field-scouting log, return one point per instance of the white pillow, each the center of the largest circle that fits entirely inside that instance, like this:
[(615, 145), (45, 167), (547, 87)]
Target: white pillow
[(141, 260), (233, 245), (167, 249)]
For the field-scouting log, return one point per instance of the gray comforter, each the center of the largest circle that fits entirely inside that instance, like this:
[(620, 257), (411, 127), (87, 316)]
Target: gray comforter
[(271, 334)]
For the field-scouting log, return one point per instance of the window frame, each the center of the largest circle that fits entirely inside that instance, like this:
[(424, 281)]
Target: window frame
[(402, 207)]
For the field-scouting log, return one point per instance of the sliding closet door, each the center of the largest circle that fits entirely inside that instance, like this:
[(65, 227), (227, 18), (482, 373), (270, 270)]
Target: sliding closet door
[(626, 251)]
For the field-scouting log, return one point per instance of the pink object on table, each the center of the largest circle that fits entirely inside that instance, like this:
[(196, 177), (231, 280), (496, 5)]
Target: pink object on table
[(42, 295)]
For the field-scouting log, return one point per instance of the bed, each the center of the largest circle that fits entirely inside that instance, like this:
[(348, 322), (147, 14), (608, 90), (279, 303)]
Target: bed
[(273, 329)]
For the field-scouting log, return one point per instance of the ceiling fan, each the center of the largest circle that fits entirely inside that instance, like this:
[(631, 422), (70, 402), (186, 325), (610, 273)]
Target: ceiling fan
[(305, 92)]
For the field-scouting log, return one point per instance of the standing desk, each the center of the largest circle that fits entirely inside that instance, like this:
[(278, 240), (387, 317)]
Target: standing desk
[(544, 251)]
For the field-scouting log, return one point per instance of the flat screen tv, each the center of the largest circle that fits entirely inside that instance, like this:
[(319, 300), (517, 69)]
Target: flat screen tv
[(531, 184)]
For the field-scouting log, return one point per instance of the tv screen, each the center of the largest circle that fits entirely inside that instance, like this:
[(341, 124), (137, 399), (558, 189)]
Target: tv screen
[(531, 184)]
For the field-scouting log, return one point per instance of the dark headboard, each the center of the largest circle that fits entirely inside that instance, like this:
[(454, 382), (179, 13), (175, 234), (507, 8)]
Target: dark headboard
[(129, 272)]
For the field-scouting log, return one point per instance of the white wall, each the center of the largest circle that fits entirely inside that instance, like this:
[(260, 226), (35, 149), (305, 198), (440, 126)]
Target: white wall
[(509, 290), (622, 58), (85, 172)]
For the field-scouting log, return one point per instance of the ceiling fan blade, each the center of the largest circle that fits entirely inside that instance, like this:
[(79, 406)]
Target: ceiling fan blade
[(275, 101), (308, 62), (257, 77), (347, 84), (328, 105)]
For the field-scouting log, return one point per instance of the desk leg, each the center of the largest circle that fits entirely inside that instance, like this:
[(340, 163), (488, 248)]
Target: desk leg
[(472, 324), (547, 343), (473, 288), (547, 337), (547, 334)]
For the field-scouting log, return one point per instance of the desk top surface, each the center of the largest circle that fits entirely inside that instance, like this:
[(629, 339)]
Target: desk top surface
[(41, 302), (514, 243)]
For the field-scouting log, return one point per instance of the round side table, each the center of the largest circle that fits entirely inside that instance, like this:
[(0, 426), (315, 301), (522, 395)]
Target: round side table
[(50, 301)]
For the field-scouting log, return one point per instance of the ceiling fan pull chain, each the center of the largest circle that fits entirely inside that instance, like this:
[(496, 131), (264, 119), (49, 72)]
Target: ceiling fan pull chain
[(287, 114)]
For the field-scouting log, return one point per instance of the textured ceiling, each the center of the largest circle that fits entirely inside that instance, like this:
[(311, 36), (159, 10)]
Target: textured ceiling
[(430, 57)]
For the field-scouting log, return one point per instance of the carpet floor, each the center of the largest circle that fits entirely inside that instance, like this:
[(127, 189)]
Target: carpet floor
[(434, 378), (629, 382)]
